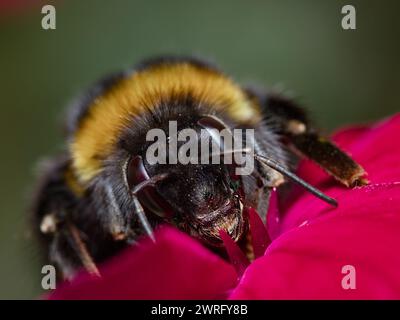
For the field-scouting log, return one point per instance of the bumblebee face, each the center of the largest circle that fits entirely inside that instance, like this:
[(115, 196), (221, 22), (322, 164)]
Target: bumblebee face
[(200, 199)]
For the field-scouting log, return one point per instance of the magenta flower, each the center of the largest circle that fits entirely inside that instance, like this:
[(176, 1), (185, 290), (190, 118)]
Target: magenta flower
[(311, 245)]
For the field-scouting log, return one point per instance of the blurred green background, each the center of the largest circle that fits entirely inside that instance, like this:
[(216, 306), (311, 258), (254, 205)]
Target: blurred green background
[(343, 77)]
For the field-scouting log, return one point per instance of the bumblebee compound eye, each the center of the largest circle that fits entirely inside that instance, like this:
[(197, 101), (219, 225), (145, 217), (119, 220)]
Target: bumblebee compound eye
[(220, 134), (223, 138), (140, 182)]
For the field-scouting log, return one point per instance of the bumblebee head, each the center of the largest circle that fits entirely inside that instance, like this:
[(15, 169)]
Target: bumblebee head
[(197, 196), (108, 148)]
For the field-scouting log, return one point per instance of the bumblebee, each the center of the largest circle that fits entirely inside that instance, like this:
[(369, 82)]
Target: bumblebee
[(101, 194)]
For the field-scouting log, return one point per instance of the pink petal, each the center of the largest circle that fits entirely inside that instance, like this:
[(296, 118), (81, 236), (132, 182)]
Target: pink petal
[(175, 267), (236, 256), (315, 241), (273, 215), (259, 234)]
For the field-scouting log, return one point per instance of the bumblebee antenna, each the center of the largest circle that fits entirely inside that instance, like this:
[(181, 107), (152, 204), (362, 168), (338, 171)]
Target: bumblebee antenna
[(276, 166), (83, 252), (142, 218)]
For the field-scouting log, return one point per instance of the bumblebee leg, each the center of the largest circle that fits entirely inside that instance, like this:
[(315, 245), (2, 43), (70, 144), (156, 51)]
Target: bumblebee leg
[(63, 255), (258, 186), (81, 249), (331, 158), (294, 127), (51, 217)]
